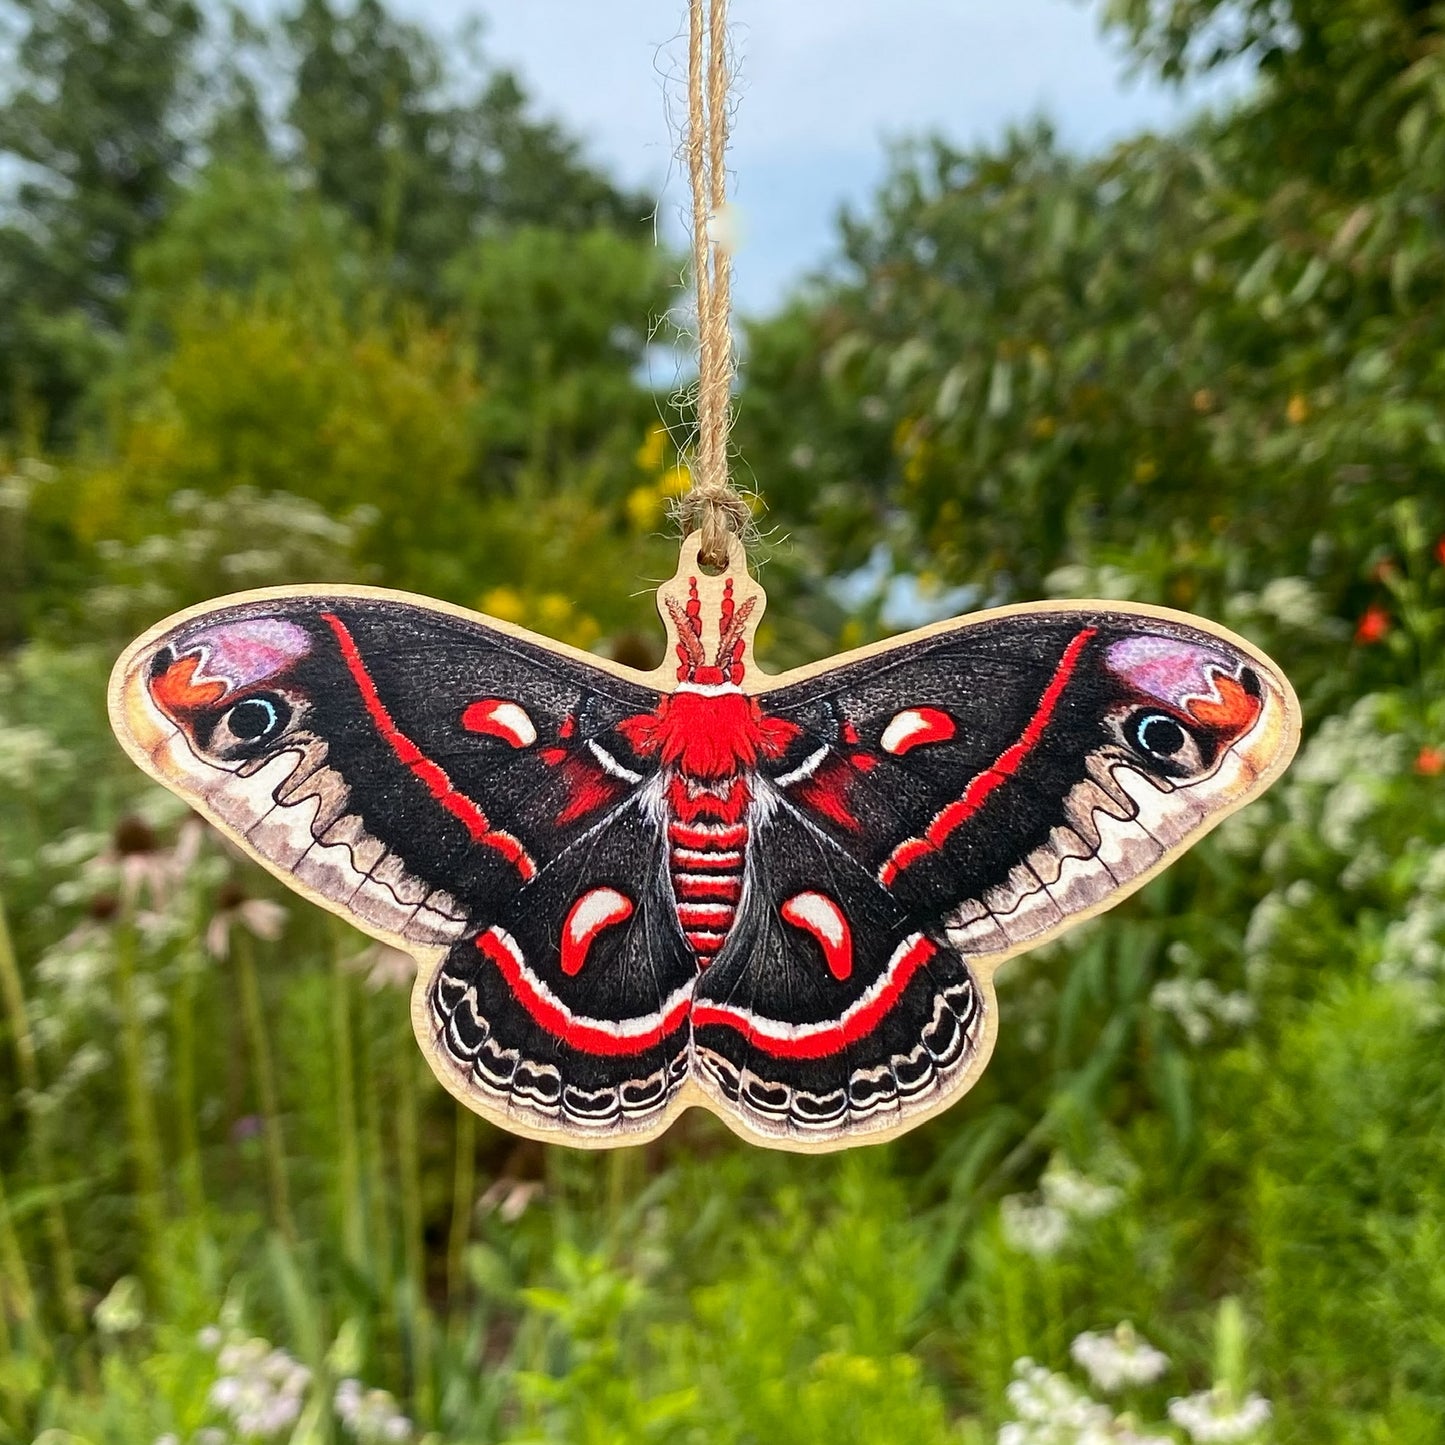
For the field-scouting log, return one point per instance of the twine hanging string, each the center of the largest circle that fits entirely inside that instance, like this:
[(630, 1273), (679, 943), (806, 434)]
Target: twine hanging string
[(712, 505)]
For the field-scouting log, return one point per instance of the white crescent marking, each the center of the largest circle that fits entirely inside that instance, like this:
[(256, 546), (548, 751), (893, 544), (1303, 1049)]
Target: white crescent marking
[(914, 726)]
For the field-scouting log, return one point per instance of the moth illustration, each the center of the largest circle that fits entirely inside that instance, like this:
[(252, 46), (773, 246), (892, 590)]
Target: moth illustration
[(781, 897)]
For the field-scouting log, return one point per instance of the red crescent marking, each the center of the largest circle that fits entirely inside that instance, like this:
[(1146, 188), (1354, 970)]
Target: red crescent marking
[(584, 1036), (595, 910), (1002, 769), (498, 717), (817, 915), (828, 1040), (437, 783)]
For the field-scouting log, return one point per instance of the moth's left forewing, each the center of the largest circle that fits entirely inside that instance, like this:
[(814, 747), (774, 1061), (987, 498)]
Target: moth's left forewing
[(385, 755), (1012, 773)]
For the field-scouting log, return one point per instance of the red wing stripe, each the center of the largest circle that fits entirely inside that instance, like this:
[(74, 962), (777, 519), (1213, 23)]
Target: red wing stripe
[(437, 783), (994, 776), (819, 1041), (589, 1035)]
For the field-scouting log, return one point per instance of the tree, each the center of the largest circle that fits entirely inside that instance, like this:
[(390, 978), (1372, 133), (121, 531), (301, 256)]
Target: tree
[(94, 121), (388, 135)]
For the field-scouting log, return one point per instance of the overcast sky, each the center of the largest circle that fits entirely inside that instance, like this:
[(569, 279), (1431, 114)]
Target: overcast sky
[(824, 85)]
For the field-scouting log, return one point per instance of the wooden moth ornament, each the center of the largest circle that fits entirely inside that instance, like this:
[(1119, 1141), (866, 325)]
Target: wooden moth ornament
[(782, 898)]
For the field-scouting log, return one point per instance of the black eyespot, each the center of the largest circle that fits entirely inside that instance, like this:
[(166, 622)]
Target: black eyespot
[(1157, 734), (256, 718)]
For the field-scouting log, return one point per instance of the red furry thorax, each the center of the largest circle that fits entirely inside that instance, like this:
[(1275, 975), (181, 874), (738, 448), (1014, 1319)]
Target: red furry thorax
[(709, 737)]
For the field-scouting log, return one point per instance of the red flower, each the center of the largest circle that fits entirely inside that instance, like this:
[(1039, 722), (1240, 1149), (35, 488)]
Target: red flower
[(1430, 762), (1440, 550), (1373, 625)]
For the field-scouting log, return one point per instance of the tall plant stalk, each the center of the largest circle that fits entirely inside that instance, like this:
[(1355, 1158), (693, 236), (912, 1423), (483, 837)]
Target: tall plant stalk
[(17, 1298), (277, 1183), (145, 1142), (183, 1023), (409, 1163), (348, 1143), (464, 1185), (28, 1067), (374, 1163)]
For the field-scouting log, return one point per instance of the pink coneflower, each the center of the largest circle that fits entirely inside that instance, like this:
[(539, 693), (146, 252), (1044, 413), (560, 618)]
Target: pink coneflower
[(260, 917)]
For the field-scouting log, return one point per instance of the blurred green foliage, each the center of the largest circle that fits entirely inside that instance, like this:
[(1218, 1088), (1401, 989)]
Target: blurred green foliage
[(323, 300)]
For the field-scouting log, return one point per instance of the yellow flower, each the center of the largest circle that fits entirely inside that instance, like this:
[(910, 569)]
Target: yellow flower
[(675, 481), (1145, 470), (1045, 427), (653, 449), (1203, 400), (644, 508), (1297, 410), (506, 603), (559, 618)]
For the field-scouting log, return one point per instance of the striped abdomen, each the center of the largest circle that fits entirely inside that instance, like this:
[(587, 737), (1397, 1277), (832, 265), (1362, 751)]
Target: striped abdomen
[(706, 860)]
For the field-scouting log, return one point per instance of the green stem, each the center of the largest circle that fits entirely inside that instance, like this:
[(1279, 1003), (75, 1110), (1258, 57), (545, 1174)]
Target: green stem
[(58, 1236), (464, 1181), (145, 1144), (348, 1149), (193, 1188), (17, 1298), (275, 1144), (374, 1161), (409, 1162)]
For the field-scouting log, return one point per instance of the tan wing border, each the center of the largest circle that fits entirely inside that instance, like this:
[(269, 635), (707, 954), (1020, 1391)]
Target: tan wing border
[(136, 722)]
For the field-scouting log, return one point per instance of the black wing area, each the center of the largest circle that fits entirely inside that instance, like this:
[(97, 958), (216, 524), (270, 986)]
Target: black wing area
[(829, 1013), (1002, 776), (570, 1006)]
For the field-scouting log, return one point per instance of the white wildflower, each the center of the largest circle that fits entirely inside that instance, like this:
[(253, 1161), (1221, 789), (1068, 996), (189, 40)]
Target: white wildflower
[(1032, 1228), (1052, 1410), (370, 1415), (262, 1389), (1198, 1005), (1215, 1415), (74, 847), (1039, 1224), (26, 751), (1041, 1397), (1118, 1360), (1076, 1194), (1412, 949)]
